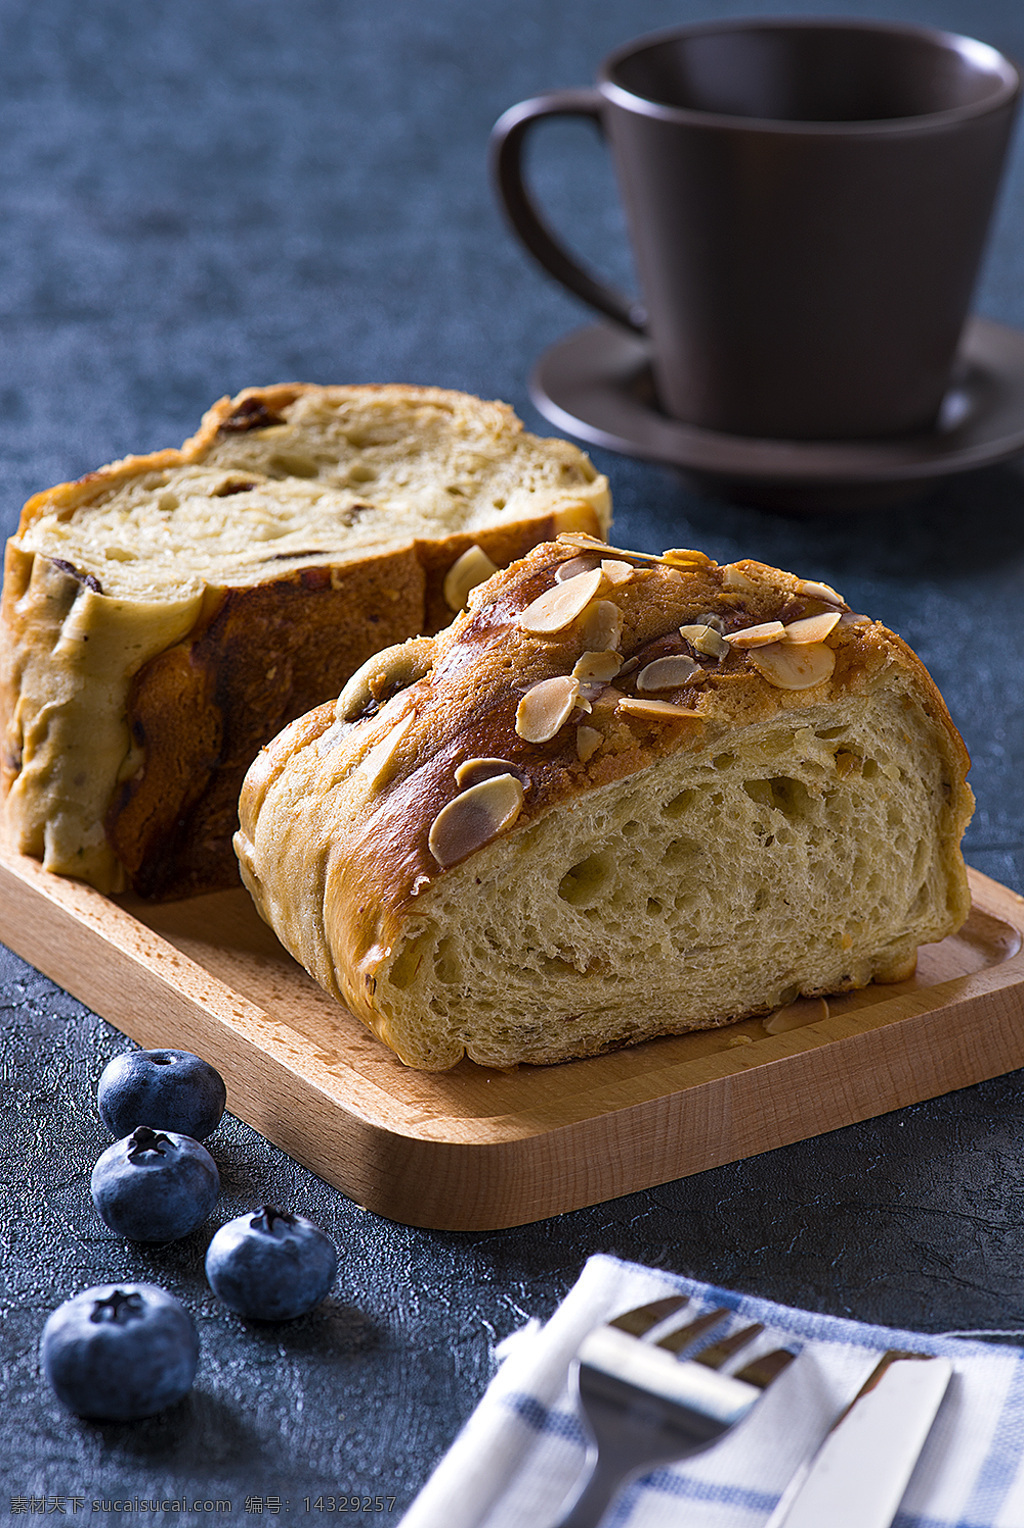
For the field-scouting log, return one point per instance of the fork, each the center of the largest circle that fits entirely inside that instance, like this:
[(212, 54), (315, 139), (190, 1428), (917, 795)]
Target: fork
[(643, 1407)]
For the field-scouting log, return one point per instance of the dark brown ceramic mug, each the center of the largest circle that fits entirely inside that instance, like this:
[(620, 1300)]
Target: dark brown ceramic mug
[(807, 202)]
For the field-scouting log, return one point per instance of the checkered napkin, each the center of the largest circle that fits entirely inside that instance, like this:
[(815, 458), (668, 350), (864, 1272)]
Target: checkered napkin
[(518, 1456)]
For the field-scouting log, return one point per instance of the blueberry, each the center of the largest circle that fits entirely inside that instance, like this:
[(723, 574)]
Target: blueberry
[(166, 1089), (155, 1185), (120, 1351), (271, 1265)]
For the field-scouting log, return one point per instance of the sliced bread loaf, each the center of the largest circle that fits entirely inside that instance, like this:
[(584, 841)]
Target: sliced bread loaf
[(165, 616), (619, 797)]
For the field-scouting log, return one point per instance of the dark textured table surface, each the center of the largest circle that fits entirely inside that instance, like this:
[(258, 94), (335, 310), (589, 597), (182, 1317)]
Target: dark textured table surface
[(197, 197)]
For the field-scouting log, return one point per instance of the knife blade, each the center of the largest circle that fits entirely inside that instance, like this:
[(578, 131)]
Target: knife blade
[(858, 1475)]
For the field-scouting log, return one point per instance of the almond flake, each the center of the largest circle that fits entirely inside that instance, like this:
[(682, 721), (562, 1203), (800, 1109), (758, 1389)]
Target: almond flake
[(473, 771), (805, 1010), (375, 766), (734, 578), (667, 673), (583, 539), (816, 591), (546, 707), (794, 666), (559, 606), (600, 666), (757, 636), (601, 626), (392, 669), (686, 557), (575, 565), (474, 818), (472, 568), (657, 710), (588, 741), (617, 572), (675, 555), (813, 628), (705, 639), (591, 543)]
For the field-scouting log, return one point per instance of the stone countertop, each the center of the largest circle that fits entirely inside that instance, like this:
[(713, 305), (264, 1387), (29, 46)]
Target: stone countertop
[(197, 198)]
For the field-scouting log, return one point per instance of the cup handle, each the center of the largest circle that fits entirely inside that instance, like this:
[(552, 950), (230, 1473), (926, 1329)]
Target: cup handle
[(508, 140)]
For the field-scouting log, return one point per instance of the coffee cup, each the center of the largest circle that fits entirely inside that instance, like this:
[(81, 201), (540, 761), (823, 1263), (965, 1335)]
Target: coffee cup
[(807, 202)]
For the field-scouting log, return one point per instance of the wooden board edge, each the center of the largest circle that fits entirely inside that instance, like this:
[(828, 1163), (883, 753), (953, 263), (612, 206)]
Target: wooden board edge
[(992, 896), (486, 1184), (598, 1100), (173, 1001), (503, 1184)]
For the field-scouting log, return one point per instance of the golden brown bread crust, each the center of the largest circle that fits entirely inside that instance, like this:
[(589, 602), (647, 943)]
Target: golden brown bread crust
[(375, 810), (203, 709), (246, 659)]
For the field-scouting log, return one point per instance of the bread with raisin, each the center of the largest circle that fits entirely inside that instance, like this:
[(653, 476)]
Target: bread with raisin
[(164, 617), (619, 797)]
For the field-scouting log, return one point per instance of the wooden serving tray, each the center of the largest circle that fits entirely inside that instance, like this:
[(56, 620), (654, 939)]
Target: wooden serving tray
[(478, 1149)]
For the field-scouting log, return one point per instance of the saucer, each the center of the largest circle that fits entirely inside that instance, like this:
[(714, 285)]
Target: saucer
[(596, 384)]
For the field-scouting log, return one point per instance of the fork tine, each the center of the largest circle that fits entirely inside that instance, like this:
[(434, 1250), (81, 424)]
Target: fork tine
[(643, 1408), (646, 1317), (684, 1336), (721, 1351), (761, 1371)]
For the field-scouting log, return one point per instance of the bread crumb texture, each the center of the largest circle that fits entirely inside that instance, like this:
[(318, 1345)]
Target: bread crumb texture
[(620, 796), (164, 617)]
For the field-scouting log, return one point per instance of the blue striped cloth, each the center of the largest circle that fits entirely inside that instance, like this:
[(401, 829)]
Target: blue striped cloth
[(517, 1458)]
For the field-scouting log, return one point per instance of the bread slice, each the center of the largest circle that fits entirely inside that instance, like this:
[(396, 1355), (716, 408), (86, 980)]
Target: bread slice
[(619, 797), (165, 616)]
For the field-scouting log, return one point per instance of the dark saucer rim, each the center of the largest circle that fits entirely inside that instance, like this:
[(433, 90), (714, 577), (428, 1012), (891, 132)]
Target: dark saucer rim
[(598, 404)]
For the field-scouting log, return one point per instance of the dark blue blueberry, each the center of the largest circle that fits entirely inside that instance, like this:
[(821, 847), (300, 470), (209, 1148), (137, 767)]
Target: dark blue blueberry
[(155, 1185), (120, 1351), (166, 1089), (271, 1266)]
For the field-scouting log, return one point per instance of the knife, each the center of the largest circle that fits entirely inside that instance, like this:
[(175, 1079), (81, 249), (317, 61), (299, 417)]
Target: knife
[(857, 1476)]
